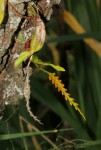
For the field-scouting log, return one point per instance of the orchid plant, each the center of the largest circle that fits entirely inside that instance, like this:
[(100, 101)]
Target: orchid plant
[(33, 44)]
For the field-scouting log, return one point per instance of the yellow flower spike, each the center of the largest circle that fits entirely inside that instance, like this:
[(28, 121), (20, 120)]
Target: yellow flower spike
[(60, 86)]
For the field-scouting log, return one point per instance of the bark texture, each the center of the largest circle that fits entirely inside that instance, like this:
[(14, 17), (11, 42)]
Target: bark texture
[(11, 79)]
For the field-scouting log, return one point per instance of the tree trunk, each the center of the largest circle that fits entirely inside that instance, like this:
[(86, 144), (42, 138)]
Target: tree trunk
[(11, 79)]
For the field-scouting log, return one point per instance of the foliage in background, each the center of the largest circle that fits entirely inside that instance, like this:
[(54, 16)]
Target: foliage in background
[(76, 46)]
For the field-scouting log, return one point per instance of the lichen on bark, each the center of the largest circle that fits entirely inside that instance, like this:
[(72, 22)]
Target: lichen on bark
[(11, 79)]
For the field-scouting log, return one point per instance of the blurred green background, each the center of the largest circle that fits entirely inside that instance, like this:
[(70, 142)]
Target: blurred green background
[(73, 42)]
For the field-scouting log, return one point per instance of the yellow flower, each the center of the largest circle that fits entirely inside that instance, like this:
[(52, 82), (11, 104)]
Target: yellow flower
[(60, 86)]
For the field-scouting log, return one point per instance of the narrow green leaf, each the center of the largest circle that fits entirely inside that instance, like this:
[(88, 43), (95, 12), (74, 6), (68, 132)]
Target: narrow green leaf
[(74, 37), (37, 61), (21, 58), (26, 134), (58, 68)]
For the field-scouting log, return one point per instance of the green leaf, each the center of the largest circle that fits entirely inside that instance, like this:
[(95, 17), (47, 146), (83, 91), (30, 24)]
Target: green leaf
[(21, 58), (58, 68), (35, 45), (74, 37), (2, 9), (37, 61), (26, 134)]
